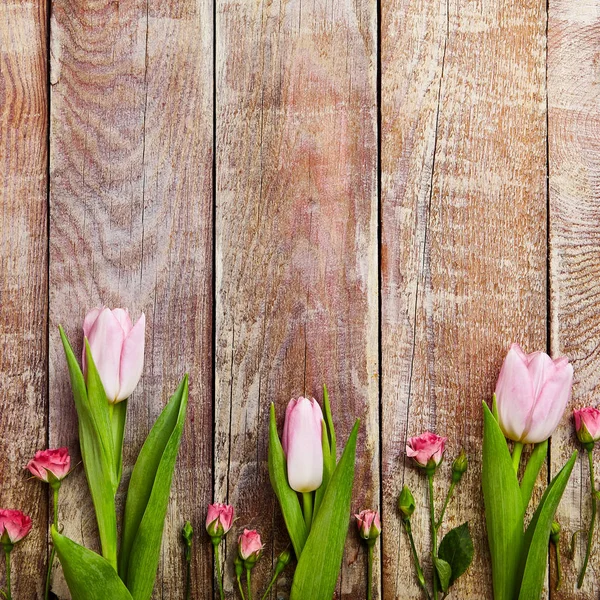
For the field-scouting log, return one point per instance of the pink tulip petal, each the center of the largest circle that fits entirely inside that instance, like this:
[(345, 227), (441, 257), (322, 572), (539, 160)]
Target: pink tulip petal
[(106, 341), (88, 323), (514, 394), (541, 368), (550, 406), (132, 359), (286, 425), (122, 315)]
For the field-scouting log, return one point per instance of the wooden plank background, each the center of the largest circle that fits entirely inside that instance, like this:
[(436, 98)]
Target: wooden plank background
[(379, 196)]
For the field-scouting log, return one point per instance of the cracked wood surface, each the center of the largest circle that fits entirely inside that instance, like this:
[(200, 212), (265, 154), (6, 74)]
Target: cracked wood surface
[(23, 277), (131, 225), (574, 155)]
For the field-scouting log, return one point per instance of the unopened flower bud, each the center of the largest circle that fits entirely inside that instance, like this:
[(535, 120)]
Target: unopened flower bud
[(250, 547), (459, 466), (219, 520), (283, 560), (187, 533), (239, 566), (555, 532), (406, 503), (369, 525)]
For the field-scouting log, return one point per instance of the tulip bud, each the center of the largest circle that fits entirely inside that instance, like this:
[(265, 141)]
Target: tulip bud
[(531, 394), (302, 444), (406, 503), (14, 526), (369, 525), (117, 347), (587, 426), (250, 547), (219, 520), (459, 466), (51, 466), (555, 533), (427, 450)]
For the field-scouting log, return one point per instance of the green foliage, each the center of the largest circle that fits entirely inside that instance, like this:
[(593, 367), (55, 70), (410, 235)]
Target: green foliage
[(457, 550), (532, 470), (148, 497), (319, 565), (443, 572)]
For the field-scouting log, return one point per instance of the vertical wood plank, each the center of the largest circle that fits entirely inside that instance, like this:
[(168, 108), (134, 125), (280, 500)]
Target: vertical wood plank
[(463, 253), (296, 246), (574, 160), (131, 225), (23, 276)]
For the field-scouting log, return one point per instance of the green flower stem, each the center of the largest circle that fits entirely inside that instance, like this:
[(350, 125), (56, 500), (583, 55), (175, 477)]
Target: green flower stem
[(370, 573), (216, 542), (271, 584), (593, 521), (248, 583), (558, 567), (55, 490), (433, 532), (516, 456), (307, 508), (7, 551), (446, 502), (239, 580), (415, 555)]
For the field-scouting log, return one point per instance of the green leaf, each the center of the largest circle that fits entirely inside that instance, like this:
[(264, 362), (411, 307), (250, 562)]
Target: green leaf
[(537, 536), (148, 497), (118, 417), (532, 470), (330, 426), (503, 509), (89, 575), (318, 567), (327, 468), (444, 573), (457, 550), (288, 498), (95, 440)]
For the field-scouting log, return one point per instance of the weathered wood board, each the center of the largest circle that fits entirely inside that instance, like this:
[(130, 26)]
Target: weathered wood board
[(23, 276), (296, 244), (131, 225), (463, 266), (574, 158)]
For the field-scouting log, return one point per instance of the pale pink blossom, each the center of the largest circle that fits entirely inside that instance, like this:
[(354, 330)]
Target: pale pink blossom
[(427, 449), (50, 465)]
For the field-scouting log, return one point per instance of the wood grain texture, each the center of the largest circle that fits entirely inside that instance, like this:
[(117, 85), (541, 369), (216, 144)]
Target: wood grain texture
[(23, 277), (131, 225), (574, 159), (463, 254), (296, 246)]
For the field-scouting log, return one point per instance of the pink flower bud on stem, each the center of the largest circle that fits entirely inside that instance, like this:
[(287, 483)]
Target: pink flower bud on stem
[(14, 526), (369, 529)]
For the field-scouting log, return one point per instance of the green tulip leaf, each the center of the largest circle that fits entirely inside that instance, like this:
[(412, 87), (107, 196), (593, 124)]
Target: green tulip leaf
[(503, 509), (328, 468), (537, 536), (95, 440), (118, 416), (148, 497), (444, 573), (318, 567), (330, 426), (88, 575), (532, 470), (287, 497), (457, 550)]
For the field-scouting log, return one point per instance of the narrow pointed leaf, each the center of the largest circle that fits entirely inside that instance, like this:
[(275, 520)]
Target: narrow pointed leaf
[(89, 575), (95, 440), (287, 497), (318, 567), (118, 417), (537, 536), (532, 470), (503, 509), (330, 426), (148, 497), (327, 468)]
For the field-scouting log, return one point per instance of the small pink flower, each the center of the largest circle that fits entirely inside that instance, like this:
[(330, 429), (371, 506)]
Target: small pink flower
[(250, 546), (219, 519), (14, 526), (369, 524), (50, 465), (531, 394), (302, 444), (587, 424), (117, 346), (426, 449)]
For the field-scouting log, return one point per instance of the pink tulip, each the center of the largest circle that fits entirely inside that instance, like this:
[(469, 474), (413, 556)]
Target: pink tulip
[(302, 444), (219, 519), (14, 526), (117, 348), (427, 449), (587, 424), (250, 546), (531, 394), (50, 465), (369, 524)]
